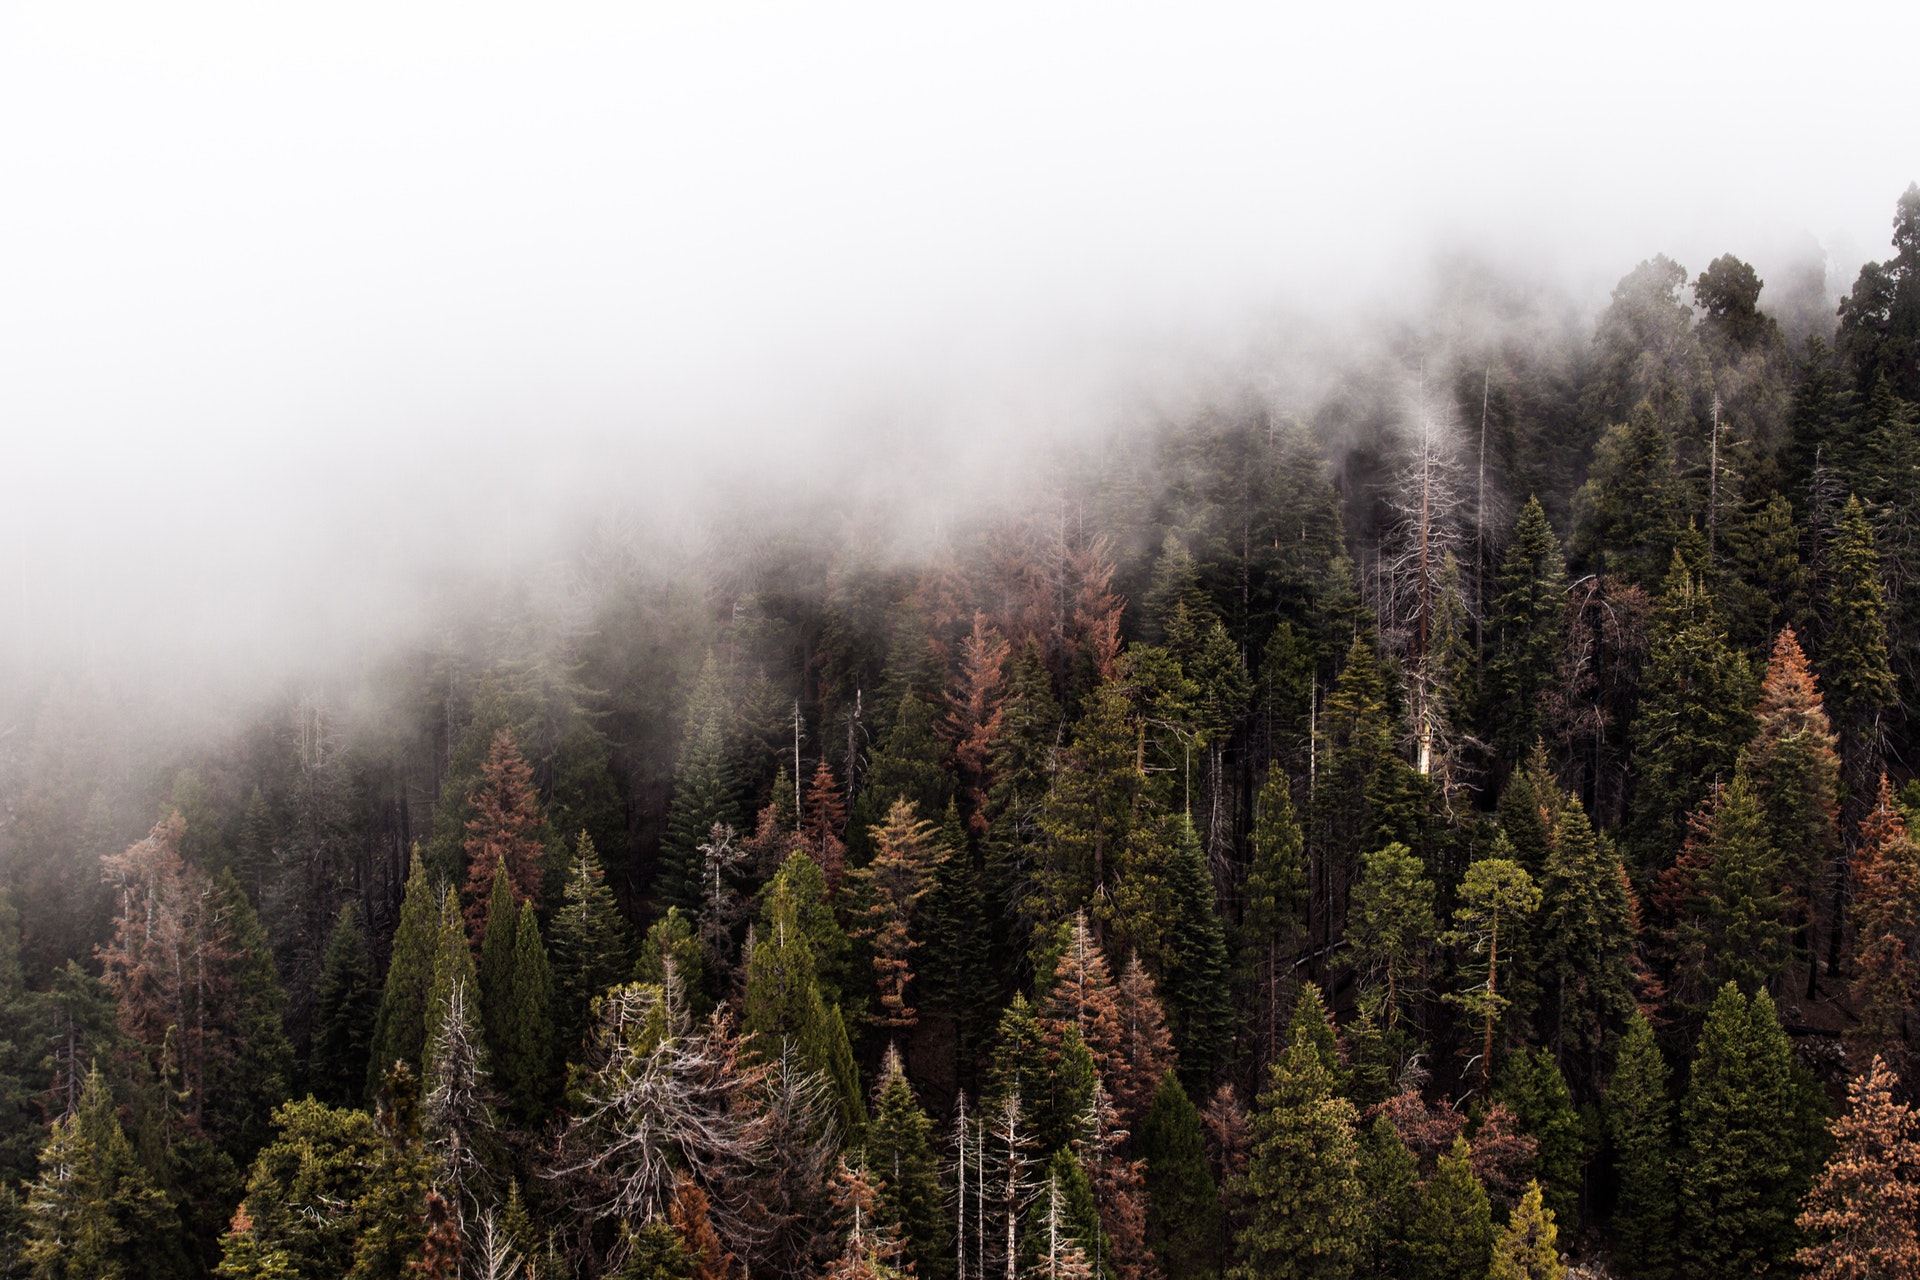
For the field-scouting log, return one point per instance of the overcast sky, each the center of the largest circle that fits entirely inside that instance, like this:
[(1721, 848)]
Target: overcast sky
[(346, 293)]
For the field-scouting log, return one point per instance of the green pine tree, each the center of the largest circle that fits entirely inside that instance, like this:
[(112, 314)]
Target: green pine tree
[(1183, 1204), (900, 1155), (783, 1006), (705, 791), (1744, 1161), (1302, 1185), (1524, 635), (1390, 1178), (522, 1057), (496, 962), (1272, 914), (1533, 1089), (1629, 513), (589, 945), (1393, 928), (1451, 1238), (400, 1029), (94, 1213), (346, 1009), (245, 1085), (1639, 1118), (1529, 1245), (452, 967), (1584, 944)]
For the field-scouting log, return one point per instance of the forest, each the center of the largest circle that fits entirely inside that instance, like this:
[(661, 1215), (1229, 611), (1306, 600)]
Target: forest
[(1457, 828)]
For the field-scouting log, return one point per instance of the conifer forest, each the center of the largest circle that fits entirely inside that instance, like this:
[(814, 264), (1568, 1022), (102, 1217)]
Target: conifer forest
[(1460, 826)]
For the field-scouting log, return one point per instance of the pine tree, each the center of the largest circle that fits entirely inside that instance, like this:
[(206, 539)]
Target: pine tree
[(1886, 874), (1452, 1236), (910, 764), (1194, 985), (1497, 899), (1146, 1053), (400, 1028), (452, 969), (1795, 773), (1080, 993), (973, 718), (1693, 716), (1627, 514), (1585, 931), (1862, 1216), (1524, 635), (589, 948), (1854, 667), (496, 961), (783, 1006), (1183, 1205), (457, 1117), (671, 940), (1639, 1117), (522, 1055), (1302, 1182), (957, 959), (823, 825), (1359, 795), (1742, 1165), (1390, 1177), (253, 1076), (1088, 815), (900, 1155), (94, 1213), (1532, 1087), (1529, 1245), (704, 791), (891, 886), (1392, 926), (346, 1008), (507, 829), (1272, 912)]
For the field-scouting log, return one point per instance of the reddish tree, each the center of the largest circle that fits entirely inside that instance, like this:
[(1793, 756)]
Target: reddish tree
[(1082, 994), (1225, 1120), (1502, 1155), (823, 826), (892, 885), (1119, 1188), (1096, 607), (507, 827), (691, 1217), (1795, 768), (1863, 1210), (972, 721), (873, 1249), (1886, 873), (440, 1256), (1146, 1046), (1428, 1131)]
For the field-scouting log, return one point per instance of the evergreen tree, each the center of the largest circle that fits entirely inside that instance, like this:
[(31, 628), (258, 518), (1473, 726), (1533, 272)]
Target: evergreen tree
[(1088, 815), (1272, 911), (900, 1155), (1853, 657), (507, 831), (1693, 715), (1302, 1182), (1393, 927), (1497, 899), (1524, 635), (1886, 874), (1194, 985), (452, 969), (705, 791), (1628, 513), (1743, 1160), (522, 1056), (1390, 1177), (589, 949), (1639, 1116), (346, 1010), (1360, 795), (1146, 1052), (1080, 993), (671, 940), (247, 1081), (1862, 1216), (1586, 931), (399, 1030), (958, 955), (1727, 892), (1795, 773), (95, 1213), (910, 764), (1532, 1088), (891, 886), (496, 961), (1452, 1236), (1183, 1205), (783, 1006), (1529, 1245)]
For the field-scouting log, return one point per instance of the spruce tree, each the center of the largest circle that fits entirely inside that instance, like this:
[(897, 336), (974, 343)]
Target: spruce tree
[(1523, 635), (94, 1213), (910, 763), (1628, 513), (507, 832), (1393, 928), (346, 1009), (1390, 1177), (1497, 901), (1639, 1118), (253, 1076), (1194, 986), (522, 1057), (783, 1007), (671, 940), (1886, 875), (399, 1031), (1183, 1205), (1528, 1247), (957, 958), (705, 791), (496, 961), (1743, 1158), (1451, 1238), (1272, 914), (1302, 1183), (1532, 1088), (589, 950), (1854, 667), (452, 968), (900, 1155), (1585, 935)]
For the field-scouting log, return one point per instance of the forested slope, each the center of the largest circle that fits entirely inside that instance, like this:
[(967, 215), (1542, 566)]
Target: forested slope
[(1461, 824)]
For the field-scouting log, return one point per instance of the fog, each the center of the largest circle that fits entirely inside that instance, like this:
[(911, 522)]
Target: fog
[(308, 316)]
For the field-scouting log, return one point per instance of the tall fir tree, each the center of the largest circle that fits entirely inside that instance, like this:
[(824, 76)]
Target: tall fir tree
[(1586, 932), (900, 1155), (1273, 907), (346, 1012), (507, 830), (1184, 1227), (1528, 1247), (1523, 636), (95, 1213), (705, 790), (1532, 1087), (1451, 1238), (589, 944), (1743, 1162), (1303, 1177), (1628, 513), (783, 1006), (399, 1029), (1393, 928), (1886, 979), (1639, 1120), (522, 1053)]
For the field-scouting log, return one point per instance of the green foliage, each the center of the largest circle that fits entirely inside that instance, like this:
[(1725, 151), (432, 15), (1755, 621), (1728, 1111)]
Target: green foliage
[(1533, 1089), (1585, 936), (1639, 1119), (347, 1007), (705, 790), (900, 1154), (1853, 659), (1628, 513), (1183, 1205), (1497, 900), (452, 967), (1524, 635), (1274, 902), (783, 1005), (94, 1213), (672, 939), (1528, 1247), (521, 1046), (247, 1083), (400, 1029), (1303, 1177), (1393, 927), (1390, 1178), (1745, 1158), (1451, 1237), (589, 944)]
